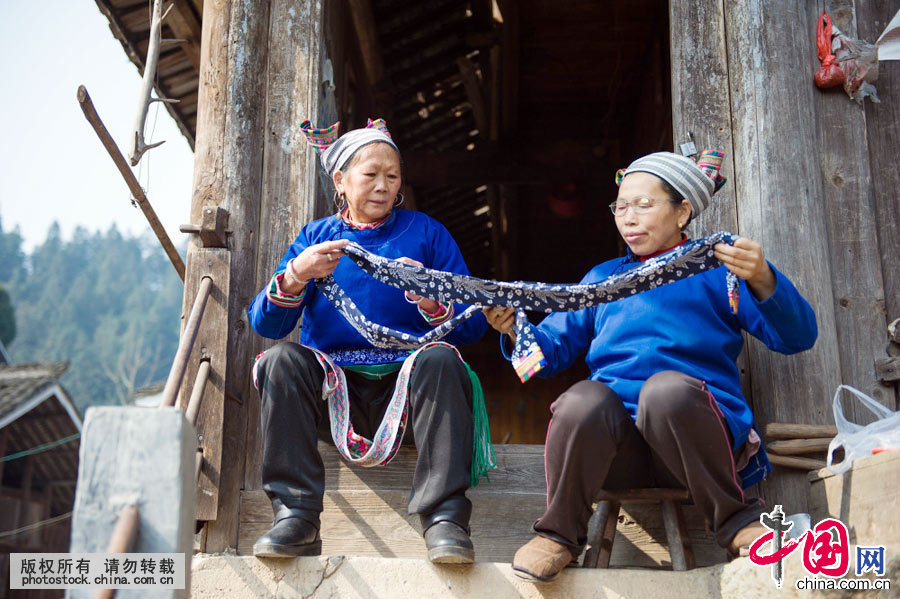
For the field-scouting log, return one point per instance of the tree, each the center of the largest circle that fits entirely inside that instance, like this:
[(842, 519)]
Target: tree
[(115, 314), (12, 258), (7, 318)]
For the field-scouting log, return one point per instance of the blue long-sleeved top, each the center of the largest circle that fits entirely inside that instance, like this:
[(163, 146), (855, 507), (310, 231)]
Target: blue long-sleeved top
[(405, 233), (686, 326)]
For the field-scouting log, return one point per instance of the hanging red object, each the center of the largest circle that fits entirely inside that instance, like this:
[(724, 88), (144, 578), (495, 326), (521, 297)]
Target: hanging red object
[(830, 74)]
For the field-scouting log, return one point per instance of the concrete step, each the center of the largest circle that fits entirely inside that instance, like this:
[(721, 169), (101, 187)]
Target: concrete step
[(336, 576)]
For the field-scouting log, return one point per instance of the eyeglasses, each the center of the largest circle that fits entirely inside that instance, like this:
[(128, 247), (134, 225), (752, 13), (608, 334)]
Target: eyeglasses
[(640, 205)]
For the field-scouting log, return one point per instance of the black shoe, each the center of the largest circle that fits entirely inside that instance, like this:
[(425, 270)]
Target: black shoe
[(291, 536), (448, 543)]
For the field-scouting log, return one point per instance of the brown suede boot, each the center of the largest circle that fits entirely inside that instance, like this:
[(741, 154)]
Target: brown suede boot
[(541, 560), (740, 544)]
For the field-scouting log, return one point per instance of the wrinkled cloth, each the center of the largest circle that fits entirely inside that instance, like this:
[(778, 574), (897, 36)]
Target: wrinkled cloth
[(404, 233), (684, 261)]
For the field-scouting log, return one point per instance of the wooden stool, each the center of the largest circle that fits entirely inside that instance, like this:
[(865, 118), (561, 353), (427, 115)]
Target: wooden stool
[(602, 526)]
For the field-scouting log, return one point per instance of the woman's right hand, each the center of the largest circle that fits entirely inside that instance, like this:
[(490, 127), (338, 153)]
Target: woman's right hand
[(314, 262), (502, 319)]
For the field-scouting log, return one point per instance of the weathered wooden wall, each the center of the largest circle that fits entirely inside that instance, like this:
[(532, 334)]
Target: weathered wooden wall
[(801, 184), (260, 76)]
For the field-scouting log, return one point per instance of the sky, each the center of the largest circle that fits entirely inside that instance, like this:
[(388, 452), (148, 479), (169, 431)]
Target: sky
[(52, 164)]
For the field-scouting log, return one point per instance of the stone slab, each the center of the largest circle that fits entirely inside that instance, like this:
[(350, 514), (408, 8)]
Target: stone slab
[(142, 457)]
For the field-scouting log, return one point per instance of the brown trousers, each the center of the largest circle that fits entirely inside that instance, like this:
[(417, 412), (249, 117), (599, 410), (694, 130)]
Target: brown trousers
[(679, 440)]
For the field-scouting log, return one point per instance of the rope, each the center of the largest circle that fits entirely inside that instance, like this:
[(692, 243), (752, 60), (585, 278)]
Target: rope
[(40, 448), (46, 522)]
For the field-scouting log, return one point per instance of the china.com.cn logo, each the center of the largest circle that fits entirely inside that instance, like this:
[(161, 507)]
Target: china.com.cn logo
[(825, 551)]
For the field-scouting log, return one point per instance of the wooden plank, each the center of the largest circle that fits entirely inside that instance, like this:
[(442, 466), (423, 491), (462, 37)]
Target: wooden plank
[(185, 26), (774, 124), (700, 103), (367, 37), (882, 131), (242, 160), (894, 331), (374, 523), (780, 430), (290, 183), (887, 369), (796, 463), (864, 498), (856, 272), (520, 468), (4, 441), (211, 342), (795, 446)]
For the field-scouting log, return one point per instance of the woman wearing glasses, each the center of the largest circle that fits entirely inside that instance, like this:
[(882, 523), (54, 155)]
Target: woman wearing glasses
[(663, 406)]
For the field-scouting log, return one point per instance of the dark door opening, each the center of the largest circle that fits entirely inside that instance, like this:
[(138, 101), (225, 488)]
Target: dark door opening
[(513, 117)]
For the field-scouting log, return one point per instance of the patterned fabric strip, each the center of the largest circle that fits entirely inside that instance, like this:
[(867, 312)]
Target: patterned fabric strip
[(686, 260), (386, 441)]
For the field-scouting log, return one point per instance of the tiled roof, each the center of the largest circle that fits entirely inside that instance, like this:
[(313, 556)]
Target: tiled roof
[(20, 382)]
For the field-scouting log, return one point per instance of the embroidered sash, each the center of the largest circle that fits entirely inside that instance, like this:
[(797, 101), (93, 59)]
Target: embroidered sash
[(684, 261)]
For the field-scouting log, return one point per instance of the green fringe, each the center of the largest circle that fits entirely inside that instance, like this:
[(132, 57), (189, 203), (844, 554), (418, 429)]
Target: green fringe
[(483, 456)]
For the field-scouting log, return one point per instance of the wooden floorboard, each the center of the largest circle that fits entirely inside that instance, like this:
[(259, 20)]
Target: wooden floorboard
[(365, 513)]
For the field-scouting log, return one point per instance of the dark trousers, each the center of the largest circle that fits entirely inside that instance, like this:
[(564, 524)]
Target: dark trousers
[(680, 439), (292, 411)]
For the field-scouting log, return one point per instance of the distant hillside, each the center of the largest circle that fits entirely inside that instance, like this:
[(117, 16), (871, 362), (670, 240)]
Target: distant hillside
[(109, 304)]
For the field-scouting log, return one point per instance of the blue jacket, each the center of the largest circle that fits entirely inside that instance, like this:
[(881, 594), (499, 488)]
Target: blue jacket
[(405, 233), (686, 326)]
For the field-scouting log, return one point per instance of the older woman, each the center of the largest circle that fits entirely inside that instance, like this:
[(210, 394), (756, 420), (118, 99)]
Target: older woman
[(365, 167), (663, 405)]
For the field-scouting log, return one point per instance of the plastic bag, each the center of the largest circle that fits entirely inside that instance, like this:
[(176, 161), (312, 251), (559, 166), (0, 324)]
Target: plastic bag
[(858, 441), (830, 74), (859, 61)]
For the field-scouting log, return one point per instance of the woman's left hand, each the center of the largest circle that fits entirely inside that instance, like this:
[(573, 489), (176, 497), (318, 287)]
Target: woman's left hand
[(428, 305), (745, 259)]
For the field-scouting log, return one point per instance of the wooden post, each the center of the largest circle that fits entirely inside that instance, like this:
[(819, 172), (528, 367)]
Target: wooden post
[(227, 167), (850, 220), (290, 181), (781, 205), (883, 137), (252, 161)]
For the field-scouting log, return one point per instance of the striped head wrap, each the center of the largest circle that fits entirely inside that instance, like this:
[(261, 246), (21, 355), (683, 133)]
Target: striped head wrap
[(696, 181), (334, 152)]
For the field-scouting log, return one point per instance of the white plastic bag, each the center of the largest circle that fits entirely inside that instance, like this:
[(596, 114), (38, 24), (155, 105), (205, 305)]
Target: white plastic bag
[(858, 441)]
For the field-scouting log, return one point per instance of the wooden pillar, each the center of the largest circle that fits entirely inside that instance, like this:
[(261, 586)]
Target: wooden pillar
[(293, 90), (800, 187), (851, 224), (781, 203), (227, 175), (883, 136)]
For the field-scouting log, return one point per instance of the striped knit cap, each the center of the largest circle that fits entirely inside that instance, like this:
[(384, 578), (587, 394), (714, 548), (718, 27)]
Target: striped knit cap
[(696, 181), (334, 152)]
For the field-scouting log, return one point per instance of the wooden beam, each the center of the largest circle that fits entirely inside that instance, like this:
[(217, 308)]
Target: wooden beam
[(887, 369), (509, 164), (289, 181), (186, 26), (851, 225), (508, 103), (470, 81), (4, 441), (228, 161), (367, 36), (770, 129), (780, 430)]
